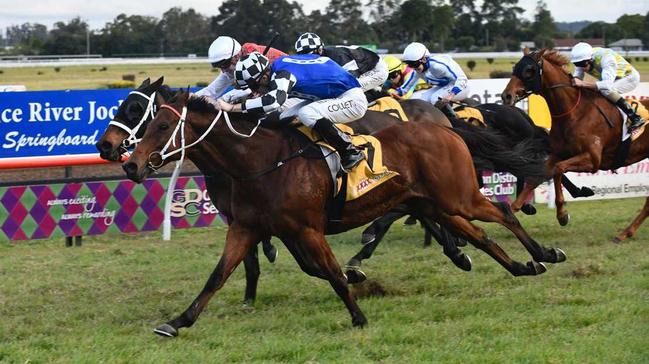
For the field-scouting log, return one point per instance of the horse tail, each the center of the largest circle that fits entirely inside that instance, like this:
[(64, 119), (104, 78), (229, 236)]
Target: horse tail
[(493, 150)]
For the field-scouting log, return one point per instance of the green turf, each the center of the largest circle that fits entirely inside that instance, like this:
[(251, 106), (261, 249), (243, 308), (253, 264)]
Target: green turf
[(99, 303)]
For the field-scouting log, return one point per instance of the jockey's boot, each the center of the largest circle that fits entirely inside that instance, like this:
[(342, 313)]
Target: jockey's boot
[(635, 120), (350, 156)]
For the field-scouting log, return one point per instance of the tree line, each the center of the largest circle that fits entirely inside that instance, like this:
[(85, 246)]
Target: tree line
[(463, 25)]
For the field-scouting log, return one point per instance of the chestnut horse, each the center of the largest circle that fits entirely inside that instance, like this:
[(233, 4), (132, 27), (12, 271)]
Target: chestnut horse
[(288, 200), (586, 134)]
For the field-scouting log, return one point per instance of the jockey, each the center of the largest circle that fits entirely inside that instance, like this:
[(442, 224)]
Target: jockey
[(448, 81), (331, 95), (365, 65), (614, 74), (223, 54), (398, 74)]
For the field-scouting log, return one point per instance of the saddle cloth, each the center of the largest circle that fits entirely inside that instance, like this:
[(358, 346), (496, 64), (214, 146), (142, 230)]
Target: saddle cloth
[(368, 174), (389, 105), (644, 114), (470, 115)]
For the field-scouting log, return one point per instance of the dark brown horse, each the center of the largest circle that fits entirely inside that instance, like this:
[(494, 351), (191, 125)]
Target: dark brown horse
[(586, 134), (289, 201), (136, 111)]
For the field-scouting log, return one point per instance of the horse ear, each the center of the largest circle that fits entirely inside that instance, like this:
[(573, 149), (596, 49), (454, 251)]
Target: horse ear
[(526, 51), (158, 82), (542, 52), (144, 84)]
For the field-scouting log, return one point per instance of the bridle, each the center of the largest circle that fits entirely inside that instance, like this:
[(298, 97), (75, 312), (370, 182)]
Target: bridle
[(180, 128), (149, 113), (533, 84)]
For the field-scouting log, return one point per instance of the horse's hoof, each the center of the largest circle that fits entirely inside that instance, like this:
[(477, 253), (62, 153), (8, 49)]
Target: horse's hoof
[(537, 268), (586, 192), (271, 254), (166, 330), (355, 275), (559, 255), (359, 321), (367, 238), (563, 220), (528, 209), (463, 262)]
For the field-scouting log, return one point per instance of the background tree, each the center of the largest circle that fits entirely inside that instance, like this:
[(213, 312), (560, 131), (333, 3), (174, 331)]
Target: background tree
[(132, 34), (181, 32), (283, 17), (67, 38), (543, 28), (27, 38), (416, 17)]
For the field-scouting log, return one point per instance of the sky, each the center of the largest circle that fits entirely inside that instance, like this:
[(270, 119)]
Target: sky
[(98, 12)]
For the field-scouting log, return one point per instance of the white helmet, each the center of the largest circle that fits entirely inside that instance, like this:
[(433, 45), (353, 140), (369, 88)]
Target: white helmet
[(308, 43), (249, 69), (223, 48), (414, 52), (581, 52)]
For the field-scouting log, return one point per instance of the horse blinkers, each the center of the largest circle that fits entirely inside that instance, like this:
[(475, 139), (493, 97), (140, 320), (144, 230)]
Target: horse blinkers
[(529, 71)]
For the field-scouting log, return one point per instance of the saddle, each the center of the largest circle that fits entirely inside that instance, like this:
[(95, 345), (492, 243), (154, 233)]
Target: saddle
[(367, 175), (469, 115)]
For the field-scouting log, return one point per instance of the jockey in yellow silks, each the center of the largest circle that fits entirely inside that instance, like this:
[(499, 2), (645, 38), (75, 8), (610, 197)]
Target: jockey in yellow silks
[(399, 74), (614, 75)]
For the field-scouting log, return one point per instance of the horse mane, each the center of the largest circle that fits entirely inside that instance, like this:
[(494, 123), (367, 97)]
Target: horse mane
[(201, 105), (553, 56), (166, 92)]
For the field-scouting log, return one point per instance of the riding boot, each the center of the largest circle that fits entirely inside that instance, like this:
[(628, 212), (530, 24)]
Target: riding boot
[(350, 156), (635, 120)]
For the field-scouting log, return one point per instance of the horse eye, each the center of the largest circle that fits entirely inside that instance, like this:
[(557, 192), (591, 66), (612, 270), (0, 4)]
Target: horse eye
[(163, 126), (529, 72)]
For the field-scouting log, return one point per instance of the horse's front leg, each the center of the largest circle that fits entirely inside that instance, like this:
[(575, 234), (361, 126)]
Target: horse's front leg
[(238, 242), (631, 229), (588, 161)]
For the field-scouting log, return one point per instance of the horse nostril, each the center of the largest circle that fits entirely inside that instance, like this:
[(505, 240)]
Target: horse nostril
[(104, 146), (130, 168)]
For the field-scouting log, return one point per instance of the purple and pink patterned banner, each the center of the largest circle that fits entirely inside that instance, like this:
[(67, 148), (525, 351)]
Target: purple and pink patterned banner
[(91, 208)]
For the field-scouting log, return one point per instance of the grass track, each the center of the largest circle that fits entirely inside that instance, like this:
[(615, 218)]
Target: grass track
[(183, 75), (99, 303)]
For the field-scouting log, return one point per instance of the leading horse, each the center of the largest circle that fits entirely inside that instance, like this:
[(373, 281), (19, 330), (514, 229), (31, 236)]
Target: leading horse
[(586, 134), (290, 201)]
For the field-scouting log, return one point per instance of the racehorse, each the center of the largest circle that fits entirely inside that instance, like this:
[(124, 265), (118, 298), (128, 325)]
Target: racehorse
[(586, 134), (517, 132), (137, 110), (289, 200), (489, 149)]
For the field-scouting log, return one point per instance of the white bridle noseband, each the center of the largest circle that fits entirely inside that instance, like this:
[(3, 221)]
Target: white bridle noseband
[(181, 127), (132, 132)]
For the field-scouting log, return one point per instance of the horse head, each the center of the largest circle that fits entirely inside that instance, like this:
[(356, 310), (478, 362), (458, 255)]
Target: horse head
[(526, 77), (537, 72), (130, 120), (161, 142)]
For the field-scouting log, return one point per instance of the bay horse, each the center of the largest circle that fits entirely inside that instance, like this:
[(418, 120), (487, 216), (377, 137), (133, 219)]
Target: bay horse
[(136, 111), (490, 150), (289, 200), (586, 134)]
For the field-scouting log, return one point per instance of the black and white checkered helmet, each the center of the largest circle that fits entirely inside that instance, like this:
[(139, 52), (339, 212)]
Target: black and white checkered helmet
[(307, 43), (249, 69)]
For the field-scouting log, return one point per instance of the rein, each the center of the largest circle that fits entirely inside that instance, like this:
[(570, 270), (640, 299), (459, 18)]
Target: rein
[(163, 154), (576, 104)]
